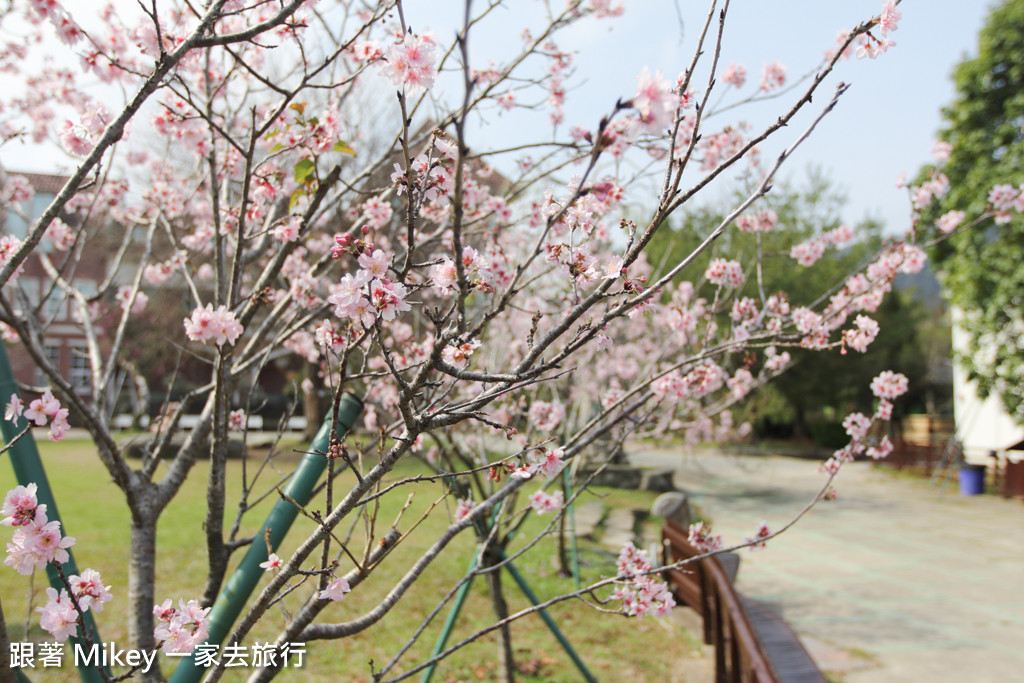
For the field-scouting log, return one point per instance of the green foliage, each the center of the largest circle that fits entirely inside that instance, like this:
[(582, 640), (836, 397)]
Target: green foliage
[(820, 386), (983, 268)]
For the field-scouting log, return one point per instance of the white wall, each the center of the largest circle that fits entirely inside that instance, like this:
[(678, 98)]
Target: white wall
[(981, 426)]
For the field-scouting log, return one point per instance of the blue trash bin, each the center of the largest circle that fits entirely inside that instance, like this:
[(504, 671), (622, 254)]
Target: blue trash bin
[(972, 480)]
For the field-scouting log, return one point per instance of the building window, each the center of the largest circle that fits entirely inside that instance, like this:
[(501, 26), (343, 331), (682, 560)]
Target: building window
[(81, 374), (54, 307), (52, 353)]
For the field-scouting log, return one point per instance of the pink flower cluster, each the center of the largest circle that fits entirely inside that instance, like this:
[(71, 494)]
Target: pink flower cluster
[(67, 30), (701, 538), (886, 386), (642, 593), (865, 333), (723, 272), (889, 385), (704, 379), (44, 409), (735, 75), (545, 415), (180, 630), (1004, 199), (773, 76), (463, 508), (36, 541), (547, 464), (950, 221), (758, 540), (762, 221), (219, 326), (412, 63), (542, 502), (922, 195), (807, 253), (369, 293)]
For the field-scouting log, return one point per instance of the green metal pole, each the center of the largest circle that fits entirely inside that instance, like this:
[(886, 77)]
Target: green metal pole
[(239, 587), (571, 511), (562, 640), (28, 469), (449, 622)]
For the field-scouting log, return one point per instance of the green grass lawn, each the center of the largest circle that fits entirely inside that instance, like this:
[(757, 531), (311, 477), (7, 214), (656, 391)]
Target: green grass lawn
[(614, 648)]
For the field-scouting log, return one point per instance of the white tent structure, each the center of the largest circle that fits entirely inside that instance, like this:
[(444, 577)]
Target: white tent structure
[(982, 425)]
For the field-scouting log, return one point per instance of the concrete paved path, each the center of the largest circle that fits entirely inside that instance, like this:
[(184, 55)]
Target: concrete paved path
[(893, 581)]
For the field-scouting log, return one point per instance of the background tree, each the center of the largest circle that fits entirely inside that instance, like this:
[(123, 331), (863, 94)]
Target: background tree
[(809, 211), (983, 269)]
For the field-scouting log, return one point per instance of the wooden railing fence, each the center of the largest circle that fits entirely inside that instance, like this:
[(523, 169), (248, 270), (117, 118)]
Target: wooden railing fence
[(752, 644)]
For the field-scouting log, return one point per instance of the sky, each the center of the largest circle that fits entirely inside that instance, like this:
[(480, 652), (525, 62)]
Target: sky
[(884, 125)]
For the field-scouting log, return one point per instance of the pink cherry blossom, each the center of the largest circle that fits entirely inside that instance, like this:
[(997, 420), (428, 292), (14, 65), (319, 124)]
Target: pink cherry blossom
[(840, 235), (856, 425), (889, 385), (376, 264), (735, 75), (655, 102), (757, 541), (542, 502), (412, 64), (941, 151), (180, 630), (58, 616), (137, 305), (273, 562), (75, 139), (60, 235), (443, 274), (723, 272), (219, 326), (701, 538), (89, 590), (335, 590), (37, 543), (288, 230), (950, 221), (14, 409), (889, 17), (463, 508), (378, 213), (865, 333), (773, 76), (546, 416), (807, 253), (882, 449), (21, 507)]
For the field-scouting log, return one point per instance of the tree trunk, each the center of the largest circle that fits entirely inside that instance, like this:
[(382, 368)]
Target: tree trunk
[(141, 582), (216, 488), (506, 659), (7, 674)]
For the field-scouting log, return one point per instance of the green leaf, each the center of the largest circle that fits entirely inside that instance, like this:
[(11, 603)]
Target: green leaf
[(343, 147), (303, 169), (296, 196)]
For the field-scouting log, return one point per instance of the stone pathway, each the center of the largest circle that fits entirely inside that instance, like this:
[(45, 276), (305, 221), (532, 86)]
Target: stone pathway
[(893, 581)]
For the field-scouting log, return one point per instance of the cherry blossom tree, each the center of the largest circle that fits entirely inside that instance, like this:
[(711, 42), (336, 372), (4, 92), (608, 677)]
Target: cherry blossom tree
[(317, 180)]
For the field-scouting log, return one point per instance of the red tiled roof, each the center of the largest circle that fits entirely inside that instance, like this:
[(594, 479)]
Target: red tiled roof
[(43, 182)]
